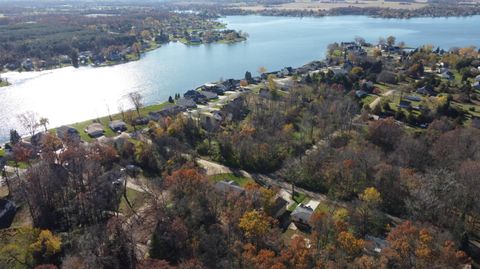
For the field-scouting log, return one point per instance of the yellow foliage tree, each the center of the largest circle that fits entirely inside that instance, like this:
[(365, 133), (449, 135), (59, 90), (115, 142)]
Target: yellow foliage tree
[(47, 244), (254, 224), (371, 196), (350, 244)]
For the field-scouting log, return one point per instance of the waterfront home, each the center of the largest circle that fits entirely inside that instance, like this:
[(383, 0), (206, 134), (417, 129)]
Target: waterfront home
[(166, 112), (209, 95), (228, 85), (27, 65), (68, 133), (219, 89), (186, 103), (95, 130), (287, 71), (117, 126)]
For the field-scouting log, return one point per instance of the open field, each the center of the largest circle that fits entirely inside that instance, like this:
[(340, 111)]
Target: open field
[(327, 5)]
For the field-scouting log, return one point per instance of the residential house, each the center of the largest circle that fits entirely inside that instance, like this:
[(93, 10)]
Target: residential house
[(186, 103), (117, 126), (477, 78), (195, 40), (425, 90), (68, 133), (229, 187), (287, 71), (166, 112), (361, 93), (234, 110), (210, 120), (302, 214), (196, 96), (447, 75), (219, 89), (414, 98), (95, 130), (405, 104), (229, 85), (209, 95), (27, 65)]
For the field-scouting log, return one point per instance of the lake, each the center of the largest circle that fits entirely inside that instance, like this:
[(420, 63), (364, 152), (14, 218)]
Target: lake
[(70, 95)]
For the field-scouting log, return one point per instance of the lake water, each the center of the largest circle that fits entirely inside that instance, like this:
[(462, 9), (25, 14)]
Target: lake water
[(70, 95)]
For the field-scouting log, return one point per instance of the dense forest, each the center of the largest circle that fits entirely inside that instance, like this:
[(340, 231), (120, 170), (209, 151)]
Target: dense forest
[(443, 10)]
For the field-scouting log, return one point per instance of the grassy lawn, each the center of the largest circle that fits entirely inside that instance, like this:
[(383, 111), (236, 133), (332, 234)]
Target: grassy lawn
[(239, 180), (20, 165), (299, 198), (383, 87), (136, 198), (367, 100), (2, 152)]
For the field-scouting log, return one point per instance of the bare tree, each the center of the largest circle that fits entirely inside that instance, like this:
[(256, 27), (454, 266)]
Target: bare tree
[(121, 109), (29, 122), (136, 99)]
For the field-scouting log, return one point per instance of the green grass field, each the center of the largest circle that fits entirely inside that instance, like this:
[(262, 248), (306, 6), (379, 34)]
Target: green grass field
[(136, 198), (239, 180)]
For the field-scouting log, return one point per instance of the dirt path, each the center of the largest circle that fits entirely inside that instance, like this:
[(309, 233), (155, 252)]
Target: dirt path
[(377, 101)]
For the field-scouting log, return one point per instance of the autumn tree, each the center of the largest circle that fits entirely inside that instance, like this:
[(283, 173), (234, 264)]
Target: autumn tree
[(415, 247), (255, 224)]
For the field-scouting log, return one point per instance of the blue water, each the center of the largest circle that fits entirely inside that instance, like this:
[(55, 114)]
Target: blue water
[(70, 95)]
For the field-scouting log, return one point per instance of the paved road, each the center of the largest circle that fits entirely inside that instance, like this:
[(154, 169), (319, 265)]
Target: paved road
[(213, 168)]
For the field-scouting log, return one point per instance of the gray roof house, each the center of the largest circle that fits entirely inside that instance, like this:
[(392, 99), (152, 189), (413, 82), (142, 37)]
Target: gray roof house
[(477, 78), (209, 95), (117, 126), (68, 133), (95, 130), (302, 214), (186, 103), (229, 187), (165, 112)]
